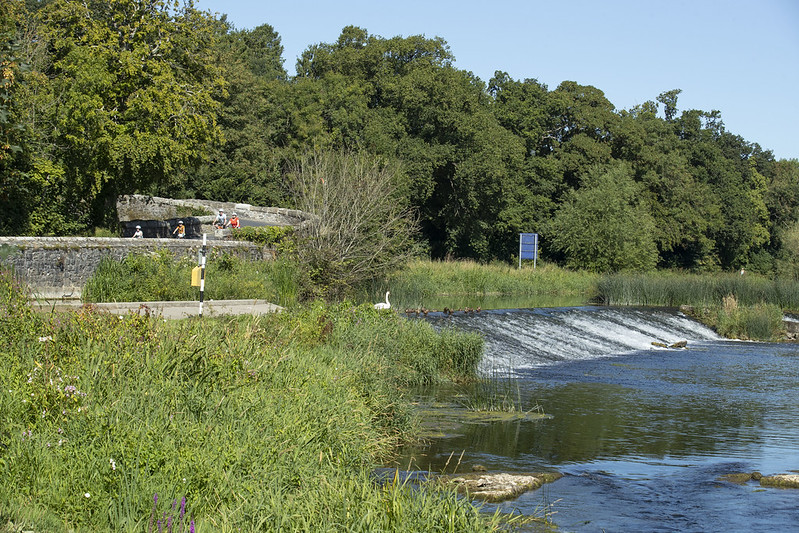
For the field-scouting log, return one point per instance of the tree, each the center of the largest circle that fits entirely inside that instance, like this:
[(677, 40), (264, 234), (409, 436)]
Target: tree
[(362, 227), (603, 226), (246, 166), (134, 94)]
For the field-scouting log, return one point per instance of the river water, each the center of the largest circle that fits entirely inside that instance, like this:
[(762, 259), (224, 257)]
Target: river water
[(642, 434)]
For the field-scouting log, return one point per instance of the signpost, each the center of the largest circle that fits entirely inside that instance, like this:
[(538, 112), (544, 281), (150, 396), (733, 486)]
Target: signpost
[(202, 273), (528, 247)]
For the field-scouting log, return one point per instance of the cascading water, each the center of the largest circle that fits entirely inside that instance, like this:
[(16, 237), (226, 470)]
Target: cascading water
[(643, 435), (524, 338)]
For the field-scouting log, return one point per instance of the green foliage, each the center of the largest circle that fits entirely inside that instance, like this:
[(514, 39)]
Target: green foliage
[(160, 277), (277, 237), (603, 227), (761, 322), (422, 279), (99, 99), (680, 288), (271, 423)]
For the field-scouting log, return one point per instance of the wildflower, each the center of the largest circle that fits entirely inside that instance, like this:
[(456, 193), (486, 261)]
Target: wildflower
[(113, 463), (191, 526), (88, 495)]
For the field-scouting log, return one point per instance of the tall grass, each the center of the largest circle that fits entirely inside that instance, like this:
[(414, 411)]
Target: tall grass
[(263, 423), (674, 289), (159, 277), (422, 279), (762, 322)]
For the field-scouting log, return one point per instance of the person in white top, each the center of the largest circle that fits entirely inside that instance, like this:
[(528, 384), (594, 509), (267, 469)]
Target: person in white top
[(221, 220)]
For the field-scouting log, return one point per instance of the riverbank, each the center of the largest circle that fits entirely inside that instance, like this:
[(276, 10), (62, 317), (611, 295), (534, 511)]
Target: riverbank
[(273, 422)]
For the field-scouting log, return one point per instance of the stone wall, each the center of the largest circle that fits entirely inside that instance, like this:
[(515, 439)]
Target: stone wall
[(58, 267), (134, 207)]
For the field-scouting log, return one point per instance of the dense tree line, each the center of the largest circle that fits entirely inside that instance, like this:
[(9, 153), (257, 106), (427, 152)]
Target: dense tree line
[(100, 98)]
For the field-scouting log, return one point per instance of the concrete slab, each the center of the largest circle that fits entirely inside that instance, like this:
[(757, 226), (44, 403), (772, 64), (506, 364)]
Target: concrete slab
[(171, 310)]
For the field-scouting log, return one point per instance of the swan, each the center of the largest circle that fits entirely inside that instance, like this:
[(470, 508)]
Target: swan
[(384, 305)]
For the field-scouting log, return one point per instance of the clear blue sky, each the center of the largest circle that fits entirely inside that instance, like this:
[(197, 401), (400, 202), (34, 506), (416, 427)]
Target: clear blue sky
[(739, 57)]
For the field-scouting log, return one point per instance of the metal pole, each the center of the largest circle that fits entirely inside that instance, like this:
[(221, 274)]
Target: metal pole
[(535, 252), (520, 251), (202, 273)]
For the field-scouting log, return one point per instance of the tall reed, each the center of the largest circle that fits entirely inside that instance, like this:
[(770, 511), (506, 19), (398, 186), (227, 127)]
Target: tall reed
[(674, 289), (424, 278)]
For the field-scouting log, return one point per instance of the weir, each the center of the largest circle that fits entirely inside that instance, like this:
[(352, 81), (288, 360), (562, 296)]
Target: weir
[(516, 339)]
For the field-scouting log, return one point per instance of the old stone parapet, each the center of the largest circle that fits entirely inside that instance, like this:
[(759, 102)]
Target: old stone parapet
[(58, 267), (135, 207)]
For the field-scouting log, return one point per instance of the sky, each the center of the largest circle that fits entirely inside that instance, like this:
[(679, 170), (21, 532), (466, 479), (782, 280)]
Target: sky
[(740, 57)]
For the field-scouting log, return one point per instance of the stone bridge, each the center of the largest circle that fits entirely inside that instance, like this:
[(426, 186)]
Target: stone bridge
[(58, 267)]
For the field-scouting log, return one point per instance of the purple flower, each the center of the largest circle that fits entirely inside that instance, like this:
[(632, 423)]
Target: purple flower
[(182, 507), (191, 526)]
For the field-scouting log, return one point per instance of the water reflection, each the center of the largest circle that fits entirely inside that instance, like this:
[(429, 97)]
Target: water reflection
[(644, 437)]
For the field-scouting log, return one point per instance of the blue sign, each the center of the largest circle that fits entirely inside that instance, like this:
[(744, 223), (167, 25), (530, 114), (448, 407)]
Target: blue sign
[(528, 247)]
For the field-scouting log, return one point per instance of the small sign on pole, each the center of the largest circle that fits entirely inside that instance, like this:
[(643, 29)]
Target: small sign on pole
[(528, 247)]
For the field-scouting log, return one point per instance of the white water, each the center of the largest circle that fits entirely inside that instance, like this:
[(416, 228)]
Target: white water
[(522, 339)]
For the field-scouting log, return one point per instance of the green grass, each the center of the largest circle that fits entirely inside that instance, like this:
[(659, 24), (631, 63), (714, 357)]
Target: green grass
[(679, 288), (422, 279), (160, 277), (263, 423), (762, 322)]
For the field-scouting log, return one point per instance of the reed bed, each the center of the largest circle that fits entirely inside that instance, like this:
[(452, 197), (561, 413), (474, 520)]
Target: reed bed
[(673, 289), (422, 279), (261, 423)]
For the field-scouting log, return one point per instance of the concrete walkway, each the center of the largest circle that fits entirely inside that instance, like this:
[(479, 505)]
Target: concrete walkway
[(172, 310)]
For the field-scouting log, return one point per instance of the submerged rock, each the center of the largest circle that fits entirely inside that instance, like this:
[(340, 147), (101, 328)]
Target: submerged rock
[(678, 344), (498, 487)]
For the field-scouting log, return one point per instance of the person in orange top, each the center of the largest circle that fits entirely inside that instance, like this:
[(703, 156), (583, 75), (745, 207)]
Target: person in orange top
[(180, 230), (234, 221)]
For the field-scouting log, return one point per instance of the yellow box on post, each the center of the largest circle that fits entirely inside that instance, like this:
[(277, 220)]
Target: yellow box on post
[(196, 273)]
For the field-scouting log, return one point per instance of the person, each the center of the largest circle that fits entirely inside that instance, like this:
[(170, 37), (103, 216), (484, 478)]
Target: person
[(180, 230), (138, 234), (221, 220), (234, 221)]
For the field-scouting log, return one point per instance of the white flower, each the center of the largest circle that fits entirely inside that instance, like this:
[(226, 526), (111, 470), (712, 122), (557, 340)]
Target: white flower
[(113, 463), (88, 495)]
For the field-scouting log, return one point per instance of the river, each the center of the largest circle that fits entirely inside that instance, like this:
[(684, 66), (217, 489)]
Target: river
[(642, 434)]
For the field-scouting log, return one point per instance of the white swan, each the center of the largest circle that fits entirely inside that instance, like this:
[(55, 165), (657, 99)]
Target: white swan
[(384, 305)]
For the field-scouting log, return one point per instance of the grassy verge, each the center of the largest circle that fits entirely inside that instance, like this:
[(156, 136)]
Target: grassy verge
[(270, 423)]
